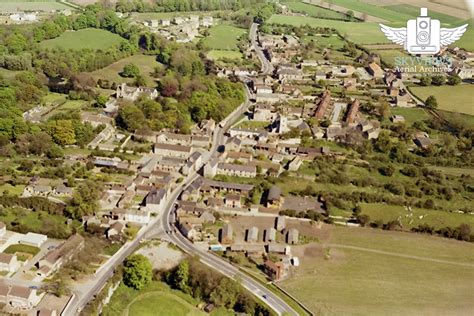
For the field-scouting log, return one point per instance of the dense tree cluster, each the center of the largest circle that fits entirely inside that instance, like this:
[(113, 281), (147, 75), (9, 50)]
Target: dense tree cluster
[(137, 271), (204, 284), (183, 5)]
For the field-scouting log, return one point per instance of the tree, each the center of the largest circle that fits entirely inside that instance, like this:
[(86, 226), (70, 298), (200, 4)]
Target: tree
[(363, 219), (137, 271), (438, 80), (62, 132), (130, 71), (226, 293), (181, 276), (425, 80), (454, 80), (431, 102), (101, 100)]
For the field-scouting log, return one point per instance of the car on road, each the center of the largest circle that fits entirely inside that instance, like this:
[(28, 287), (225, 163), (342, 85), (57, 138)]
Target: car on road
[(51, 247), (264, 296), (34, 287)]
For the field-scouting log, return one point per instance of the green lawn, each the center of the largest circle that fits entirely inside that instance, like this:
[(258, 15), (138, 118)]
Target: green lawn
[(333, 42), (87, 38), (112, 72), (13, 190), (223, 37), (37, 222), (358, 32), (437, 219), (360, 282), (22, 248), (155, 299), (314, 11), (253, 125), (411, 115), (450, 98), (224, 54)]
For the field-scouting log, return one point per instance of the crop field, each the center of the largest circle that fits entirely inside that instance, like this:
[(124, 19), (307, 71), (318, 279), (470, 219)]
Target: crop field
[(416, 216), (94, 39), (450, 98), (224, 54), (223, 37), (20, 5), (358, 271), (145, 63), (314, 11), (358, 32)]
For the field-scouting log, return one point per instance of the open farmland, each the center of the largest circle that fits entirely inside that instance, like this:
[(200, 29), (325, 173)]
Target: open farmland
[(20, 6), (416, 216), (358, 32), (314, 11), (358, 271), (145, 63), (83, 39), (450, 98), (224, 54), (223, 37)]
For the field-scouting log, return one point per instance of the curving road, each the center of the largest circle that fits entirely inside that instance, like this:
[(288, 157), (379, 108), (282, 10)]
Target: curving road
[(165, 225)]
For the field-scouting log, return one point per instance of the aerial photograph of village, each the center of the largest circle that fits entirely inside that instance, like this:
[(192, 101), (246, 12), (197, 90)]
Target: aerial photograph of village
[(236, 157)]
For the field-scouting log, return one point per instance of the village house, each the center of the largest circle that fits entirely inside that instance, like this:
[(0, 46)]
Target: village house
[(174, 139), (422, 142), (8, 262), (155, 200), (133, 93), (235, 170), (375, 71), (207, 21), (3, 229), (170, 164), (295, 164), (33, 239), (129, 215), (274, 270), (170, 150), (397, 119), (116, 229), (322, 105), (279, 249), (274, 198), (19, 297), (233, 200), (352, 112), (54, 259)]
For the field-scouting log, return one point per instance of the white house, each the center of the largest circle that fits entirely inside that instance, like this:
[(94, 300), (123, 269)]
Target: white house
[(33, 239)]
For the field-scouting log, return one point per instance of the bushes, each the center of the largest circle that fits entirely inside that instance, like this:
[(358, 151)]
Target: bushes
[(462, 232)]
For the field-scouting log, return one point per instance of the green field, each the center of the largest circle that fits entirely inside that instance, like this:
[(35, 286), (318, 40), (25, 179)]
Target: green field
[(358, 32), (112, 72), (450, 98), (223, 37), (155, 299), (467, 40), (21, 5), (375, 272), (13, 190), (84, 39), (314, 11), (437, 219), (333, 42), (380, 12), (22, 248), (411, 115), (224, 54)]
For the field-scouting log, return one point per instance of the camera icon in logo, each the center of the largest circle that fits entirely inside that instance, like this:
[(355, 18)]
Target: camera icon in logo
[(423, 36)]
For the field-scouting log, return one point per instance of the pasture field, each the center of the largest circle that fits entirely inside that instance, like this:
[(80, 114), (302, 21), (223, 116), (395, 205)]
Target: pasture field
[(358, 32), (94, 39), (373, 10), (333, 42), (437, 219), (450, 98), (155, 299), (411, 115), (467, 40), (33, 221), (21, 5), (224, 54), (223, 37), (360, 271), (112, 72), (314, 11)]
